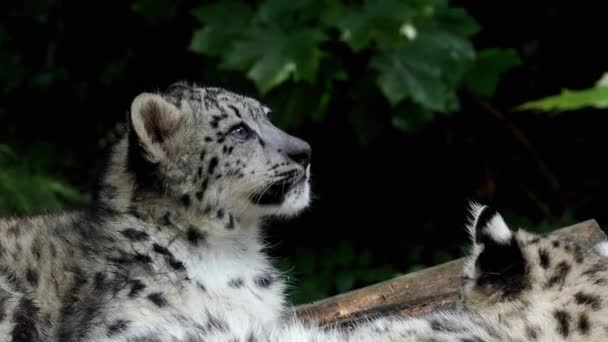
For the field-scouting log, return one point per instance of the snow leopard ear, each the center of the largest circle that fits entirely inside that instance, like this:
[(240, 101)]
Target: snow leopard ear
[(154, 121), (497, 265), (488, 226)]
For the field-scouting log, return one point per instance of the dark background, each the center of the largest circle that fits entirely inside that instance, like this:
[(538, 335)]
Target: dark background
[(390, 205)]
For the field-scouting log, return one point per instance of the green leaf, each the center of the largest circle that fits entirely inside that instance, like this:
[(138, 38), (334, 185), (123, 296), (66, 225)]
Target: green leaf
[(271, 56), (289, 14), (456, 20), (483, 77), (375, 22), (411, 117), (411, 72), (596, 97), (223, 23)]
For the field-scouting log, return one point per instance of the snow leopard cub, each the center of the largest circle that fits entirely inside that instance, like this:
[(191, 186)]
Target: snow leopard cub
[(171, 248)]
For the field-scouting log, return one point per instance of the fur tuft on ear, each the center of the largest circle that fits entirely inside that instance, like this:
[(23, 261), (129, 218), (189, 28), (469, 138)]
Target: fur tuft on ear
[(487, 225), (601, 248), (154, 120)]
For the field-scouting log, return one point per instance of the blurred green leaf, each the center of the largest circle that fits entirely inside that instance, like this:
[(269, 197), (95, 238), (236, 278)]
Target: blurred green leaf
[(483, 77), (410, 118), (376, 22), (596, 97), (411, 72), (25, 187), (419, 52), (223, 22), (270, 56)]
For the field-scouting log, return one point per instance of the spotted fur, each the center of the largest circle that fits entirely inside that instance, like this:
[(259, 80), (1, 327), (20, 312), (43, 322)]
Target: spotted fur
[(171, 249)]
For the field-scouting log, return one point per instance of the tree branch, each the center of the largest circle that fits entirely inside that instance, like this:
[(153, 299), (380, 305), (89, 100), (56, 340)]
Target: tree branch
[(415, 293)]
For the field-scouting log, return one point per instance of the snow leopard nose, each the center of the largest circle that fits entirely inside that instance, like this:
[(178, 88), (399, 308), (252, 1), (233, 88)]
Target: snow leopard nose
[(299, 151)]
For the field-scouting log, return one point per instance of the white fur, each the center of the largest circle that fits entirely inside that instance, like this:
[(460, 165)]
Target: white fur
[(602, 248), (498, 230)]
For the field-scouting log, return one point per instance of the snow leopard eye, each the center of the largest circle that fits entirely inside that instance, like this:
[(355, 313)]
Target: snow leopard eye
[(241, 132)]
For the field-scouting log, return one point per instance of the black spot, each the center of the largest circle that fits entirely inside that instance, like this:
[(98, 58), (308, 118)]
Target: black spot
[(579, 255), (215, 121), (264, 280), (262, 142), (36, 251), (220, 213), (436, 325), (32, 277), (596, 268), (212, 165), (158, 299), (134, 234), (199, 195), (169, 258), (176, 264), (200, 172), (214, 324), (531, 333), (544, 258), (201, 286), (555, 243), (24, 319), (143, 258), (563, 322), (204, 186), (220, 140), (14, 230), (194, 236), (185, 199), (167, 219), (203, 153), (99, 281), (236, 283), (230, 224), (208, 139), (592, 301), (559, 276), (534, 241), (230, 150), (583, 324), (161, 250), (136, 287), (235, 110), (117, 327), (224, 149)]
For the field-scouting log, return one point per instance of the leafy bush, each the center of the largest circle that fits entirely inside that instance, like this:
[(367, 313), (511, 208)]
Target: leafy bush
[(26, 186), (304, 54)]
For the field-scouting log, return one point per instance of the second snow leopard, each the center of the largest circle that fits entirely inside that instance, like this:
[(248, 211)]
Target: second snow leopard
[(171, 249)]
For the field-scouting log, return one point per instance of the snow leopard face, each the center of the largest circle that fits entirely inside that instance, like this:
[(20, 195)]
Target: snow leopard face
[(209, 148)]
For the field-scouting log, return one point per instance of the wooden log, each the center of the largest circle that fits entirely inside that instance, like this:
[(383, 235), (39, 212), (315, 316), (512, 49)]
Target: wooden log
[(415, 293)]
